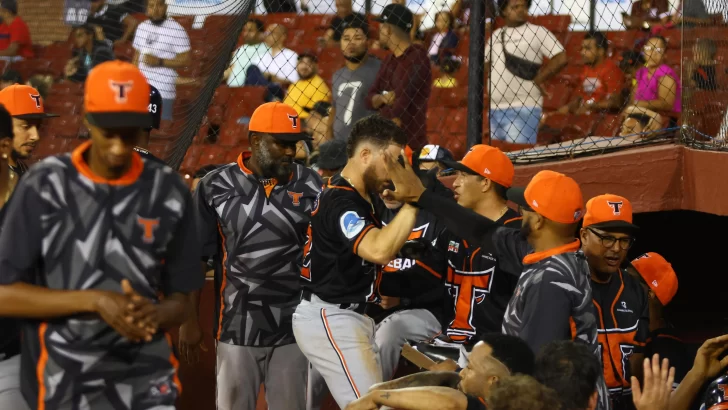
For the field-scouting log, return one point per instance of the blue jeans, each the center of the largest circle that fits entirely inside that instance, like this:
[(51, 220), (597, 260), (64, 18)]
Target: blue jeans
[(515, 125)]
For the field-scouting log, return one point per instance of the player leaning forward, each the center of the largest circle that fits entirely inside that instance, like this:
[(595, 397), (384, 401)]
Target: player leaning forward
[(346, 247), (90, 240)]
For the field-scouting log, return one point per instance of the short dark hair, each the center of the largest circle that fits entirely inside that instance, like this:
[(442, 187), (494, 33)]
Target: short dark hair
[(512, 351), (259, 26), (88, 28), (6, 123), (643, 119), (502, 4), (663, 39), (12, 76), (571, 369), (10, 5), (377, 130), (599, 38)]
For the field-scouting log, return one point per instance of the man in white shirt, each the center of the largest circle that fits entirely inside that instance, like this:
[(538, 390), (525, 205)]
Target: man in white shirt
[(246, 55), (516, 89), (278, 64), (162, 46)]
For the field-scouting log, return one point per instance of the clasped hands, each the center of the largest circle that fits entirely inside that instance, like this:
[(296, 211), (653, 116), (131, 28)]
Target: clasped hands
[(132, 315)]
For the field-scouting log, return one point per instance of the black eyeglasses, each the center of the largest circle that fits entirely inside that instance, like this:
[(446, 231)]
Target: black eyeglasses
[(609, 241)]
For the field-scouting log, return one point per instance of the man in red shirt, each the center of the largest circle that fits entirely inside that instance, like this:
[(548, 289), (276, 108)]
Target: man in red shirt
[(402, 87), (601, 81), (14, 33)]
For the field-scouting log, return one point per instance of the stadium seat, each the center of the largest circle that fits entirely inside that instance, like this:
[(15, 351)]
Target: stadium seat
[(65, 126), (192, 158), (232, 134), (556, 23), (436, 97), (621, 40), (315, 24), (456, 121), (221, 96), (579, 126), (435, 119), (29, 68), (66, 88), (124, 51), (673, 37), (607, 126), (216, 114), (290, 20), (186, 22), (243, 101), (66, 105), (212, 154), (58, 50), (216, 23), (453, 97)]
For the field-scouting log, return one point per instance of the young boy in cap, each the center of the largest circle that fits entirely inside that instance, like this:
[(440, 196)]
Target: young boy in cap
[(621, 303), (25, 105), (97, 255), (253, 216)]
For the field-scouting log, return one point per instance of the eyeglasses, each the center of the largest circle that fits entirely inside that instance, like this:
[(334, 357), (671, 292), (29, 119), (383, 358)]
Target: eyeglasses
[(609, 241), (650, 48)]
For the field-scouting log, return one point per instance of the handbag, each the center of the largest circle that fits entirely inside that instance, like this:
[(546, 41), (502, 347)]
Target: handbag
[(519, 67)]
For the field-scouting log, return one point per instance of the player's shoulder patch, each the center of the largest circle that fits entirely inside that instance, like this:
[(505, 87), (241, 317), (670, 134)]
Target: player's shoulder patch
[(453, 247), (351, 224)]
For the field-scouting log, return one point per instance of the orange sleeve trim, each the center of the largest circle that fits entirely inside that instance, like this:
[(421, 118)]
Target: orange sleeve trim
[(175, 364), (40, 368), (429, 269), (223, 283), (360, 237)]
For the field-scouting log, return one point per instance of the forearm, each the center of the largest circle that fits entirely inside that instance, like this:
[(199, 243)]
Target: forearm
[(462, 222), (179, 61), (173, 310), (389, 240), (11, 51), (442, 379), (130, 27), (422, 398), (686, 392), (36, 302), (551, 68), (609, 103)]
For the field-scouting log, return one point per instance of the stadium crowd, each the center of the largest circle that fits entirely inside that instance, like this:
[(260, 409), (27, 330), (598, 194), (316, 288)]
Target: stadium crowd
[(334, 245)]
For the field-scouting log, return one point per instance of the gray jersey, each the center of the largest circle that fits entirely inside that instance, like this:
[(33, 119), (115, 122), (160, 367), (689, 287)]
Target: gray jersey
[(350, 91)]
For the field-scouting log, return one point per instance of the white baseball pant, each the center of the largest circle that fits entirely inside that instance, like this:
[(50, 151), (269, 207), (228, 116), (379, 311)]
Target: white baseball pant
[(10, 396), (340, 345), (399, 327)]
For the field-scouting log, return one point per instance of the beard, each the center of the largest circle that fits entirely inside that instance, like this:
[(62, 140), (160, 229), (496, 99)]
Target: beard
[(280, 168), (525, 229), (371, 182), (159, 21), (308, 76), (356, 59)]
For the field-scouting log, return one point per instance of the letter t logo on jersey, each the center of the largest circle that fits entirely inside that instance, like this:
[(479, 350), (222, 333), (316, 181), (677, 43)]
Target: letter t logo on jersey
[(616, 207), (148, 227)]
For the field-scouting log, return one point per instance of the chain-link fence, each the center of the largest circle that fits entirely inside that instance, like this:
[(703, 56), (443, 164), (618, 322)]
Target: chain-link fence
[(541, 79)]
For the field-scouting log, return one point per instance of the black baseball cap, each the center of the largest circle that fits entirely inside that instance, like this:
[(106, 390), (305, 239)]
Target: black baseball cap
[(355, 20), (431, 152), (332, 155), (322, 108), (398, 16), (155, 107)]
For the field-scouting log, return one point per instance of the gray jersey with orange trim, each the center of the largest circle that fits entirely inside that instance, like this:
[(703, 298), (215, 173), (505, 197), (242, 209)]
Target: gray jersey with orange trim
[(67, 229), (256, 229)]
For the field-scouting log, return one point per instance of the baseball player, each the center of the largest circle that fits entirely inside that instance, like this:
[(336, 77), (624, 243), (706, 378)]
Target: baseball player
[(545, 251), (659, 281), (90, 239), (347, 245), (155, 110), (621, 303), (27, 109), (253, 215)]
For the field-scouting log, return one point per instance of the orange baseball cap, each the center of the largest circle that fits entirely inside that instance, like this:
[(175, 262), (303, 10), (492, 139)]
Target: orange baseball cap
[(488, 162), (24, 101), (552, 195), (278, 119), (609, 212), (659, 275), (117, 95)]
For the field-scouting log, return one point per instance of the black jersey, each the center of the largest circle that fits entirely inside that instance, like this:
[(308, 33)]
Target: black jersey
[(332, 269), (624, 326), (479, 288)]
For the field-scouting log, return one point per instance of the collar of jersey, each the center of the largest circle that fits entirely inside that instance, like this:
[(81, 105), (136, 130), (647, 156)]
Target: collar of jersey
[(241, 164), (131, 176), (539, 256)]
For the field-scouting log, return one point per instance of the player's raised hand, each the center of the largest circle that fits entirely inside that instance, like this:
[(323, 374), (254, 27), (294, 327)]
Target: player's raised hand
[(112, 307), (140, 311), (655, 392), (407, 185), (707, 362)]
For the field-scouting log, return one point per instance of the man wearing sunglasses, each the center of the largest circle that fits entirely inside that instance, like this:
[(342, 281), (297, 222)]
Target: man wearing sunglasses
[(621, 303)]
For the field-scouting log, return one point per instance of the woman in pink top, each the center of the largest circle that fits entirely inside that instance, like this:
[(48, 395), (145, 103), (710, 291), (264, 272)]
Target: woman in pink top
[(657, 86)]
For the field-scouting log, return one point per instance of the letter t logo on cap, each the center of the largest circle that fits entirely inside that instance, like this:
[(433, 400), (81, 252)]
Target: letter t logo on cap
[(616, 207), (36, 98), (121, 90)]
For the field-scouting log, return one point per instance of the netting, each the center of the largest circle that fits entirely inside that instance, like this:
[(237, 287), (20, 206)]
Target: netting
[(541, 79)]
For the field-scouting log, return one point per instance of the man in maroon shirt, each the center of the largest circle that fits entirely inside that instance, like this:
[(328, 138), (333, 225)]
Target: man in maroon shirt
[(402, 87)]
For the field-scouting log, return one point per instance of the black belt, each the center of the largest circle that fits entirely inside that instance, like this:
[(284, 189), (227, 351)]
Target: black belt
[(355, 307)]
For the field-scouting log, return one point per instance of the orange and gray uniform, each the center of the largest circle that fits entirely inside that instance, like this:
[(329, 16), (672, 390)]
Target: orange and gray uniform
[(67, 229)]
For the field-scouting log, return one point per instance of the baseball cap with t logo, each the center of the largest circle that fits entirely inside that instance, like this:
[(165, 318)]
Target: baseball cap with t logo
[(24, 102), (609, 212), (117, 96), (551, 195), (279, 120)]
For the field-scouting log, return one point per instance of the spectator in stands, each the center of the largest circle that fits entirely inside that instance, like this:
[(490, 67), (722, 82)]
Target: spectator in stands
[(644, 14), (602, 80), (161, 47), (87, 54), (331, 158), (280, 6), (42, 83), (573, 371), (278, 64), (514, 59), (336, 30), (25, 105), (641, 122), (701, 70), (657, 85), (352, 82), (8, 180), (402, 87), (689, 13), (445, 39), (112, 23), (310, 87), (246, 56), (449, 64), (15, 43), (317, 123), (10, 77), (522, 392)]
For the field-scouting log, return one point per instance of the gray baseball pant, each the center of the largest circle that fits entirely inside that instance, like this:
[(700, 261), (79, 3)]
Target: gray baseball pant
[(10, 396), (241, 370)]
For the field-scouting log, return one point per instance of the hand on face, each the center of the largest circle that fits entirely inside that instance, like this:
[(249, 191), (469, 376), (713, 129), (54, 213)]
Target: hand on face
[(408, 186)]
